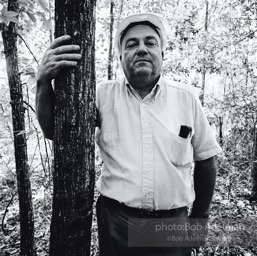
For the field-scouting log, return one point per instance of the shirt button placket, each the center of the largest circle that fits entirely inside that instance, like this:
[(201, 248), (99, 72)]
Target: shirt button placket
[(147, 145)]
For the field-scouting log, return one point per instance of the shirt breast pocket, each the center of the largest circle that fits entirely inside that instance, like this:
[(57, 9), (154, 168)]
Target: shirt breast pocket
[(181, 150)]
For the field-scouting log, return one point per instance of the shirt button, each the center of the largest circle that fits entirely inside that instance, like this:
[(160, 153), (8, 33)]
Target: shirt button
[(146, 147), (143, 105), (149, 194)]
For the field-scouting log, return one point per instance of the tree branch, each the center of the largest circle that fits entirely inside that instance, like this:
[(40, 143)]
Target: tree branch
[(5, 212), (27, 104), (27, 47)]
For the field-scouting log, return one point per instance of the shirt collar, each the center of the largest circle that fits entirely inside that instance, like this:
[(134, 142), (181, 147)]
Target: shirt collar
[(156, 91)]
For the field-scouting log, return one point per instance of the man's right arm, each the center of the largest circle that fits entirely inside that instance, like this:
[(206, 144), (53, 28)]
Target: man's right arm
[(45, 99), (59, 55)]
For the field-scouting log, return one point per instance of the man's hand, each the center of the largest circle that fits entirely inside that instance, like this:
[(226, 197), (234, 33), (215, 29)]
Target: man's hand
[(59, 55)]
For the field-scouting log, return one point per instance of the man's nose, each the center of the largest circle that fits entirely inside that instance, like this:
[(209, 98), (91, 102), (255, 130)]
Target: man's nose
[(142, 50)]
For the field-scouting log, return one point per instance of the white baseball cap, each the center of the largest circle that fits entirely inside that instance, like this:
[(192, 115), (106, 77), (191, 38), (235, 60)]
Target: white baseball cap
[(140, 18)]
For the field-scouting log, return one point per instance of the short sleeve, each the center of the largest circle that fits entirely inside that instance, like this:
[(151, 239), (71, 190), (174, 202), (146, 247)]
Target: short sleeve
[(103, 95), (98, 90), (203, 141)]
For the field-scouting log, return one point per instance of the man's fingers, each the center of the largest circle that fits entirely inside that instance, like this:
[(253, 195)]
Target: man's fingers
[(66, 64), (66, 49), (60, 41), (70, 57)]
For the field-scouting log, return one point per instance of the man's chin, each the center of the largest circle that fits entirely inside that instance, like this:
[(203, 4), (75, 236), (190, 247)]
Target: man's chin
[(143, 71)]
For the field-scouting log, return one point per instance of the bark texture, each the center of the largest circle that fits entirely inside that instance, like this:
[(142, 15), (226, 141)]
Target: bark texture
[(254, 168), (74, 146), (202, 95), (110, 55), (9, 34)]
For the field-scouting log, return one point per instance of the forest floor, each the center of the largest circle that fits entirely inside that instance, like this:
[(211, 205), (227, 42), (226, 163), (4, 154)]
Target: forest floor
[(236, 233)]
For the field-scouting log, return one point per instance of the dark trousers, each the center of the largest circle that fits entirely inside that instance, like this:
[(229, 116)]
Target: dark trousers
[(115, 222)]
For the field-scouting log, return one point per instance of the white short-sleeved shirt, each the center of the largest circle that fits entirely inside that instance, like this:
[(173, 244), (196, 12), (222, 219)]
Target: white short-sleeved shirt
[(146, 163)]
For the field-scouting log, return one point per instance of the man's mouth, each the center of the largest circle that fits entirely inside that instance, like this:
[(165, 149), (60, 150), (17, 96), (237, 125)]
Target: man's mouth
[(142, 60)]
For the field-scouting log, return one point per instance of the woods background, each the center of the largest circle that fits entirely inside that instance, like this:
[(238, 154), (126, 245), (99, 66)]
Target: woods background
[(212, 46)]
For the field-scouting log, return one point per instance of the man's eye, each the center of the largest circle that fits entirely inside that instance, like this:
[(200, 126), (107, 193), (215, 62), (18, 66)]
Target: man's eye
[(151, 43), (131, 45)]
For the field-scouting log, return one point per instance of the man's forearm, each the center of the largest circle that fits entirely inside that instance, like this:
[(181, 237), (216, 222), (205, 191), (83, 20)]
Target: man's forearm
[(204, 183), (45, 99)]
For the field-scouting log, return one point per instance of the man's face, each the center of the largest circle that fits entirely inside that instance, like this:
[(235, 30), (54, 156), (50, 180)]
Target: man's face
[(141, 55)]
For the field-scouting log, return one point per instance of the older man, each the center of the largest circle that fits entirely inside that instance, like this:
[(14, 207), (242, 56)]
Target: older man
[(149, 132)]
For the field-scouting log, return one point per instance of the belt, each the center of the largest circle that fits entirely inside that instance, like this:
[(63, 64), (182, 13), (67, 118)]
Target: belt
[(141, 212)]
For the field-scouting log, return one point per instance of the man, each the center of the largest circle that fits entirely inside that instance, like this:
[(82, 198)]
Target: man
[(149, 132)]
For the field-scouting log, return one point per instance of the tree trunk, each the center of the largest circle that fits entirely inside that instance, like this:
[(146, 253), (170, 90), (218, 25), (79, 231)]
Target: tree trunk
[(110, 58), (73, 176), (204, 62), (254, 167), (221, 130), (9, 34)]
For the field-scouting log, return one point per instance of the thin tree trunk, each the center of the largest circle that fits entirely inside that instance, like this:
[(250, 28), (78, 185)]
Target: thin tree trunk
[(254, 167), (121, 10), (204, 62), (118, 21), (50, 18), (110, 58), (73, 176), (9, 34), (221, 130)]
